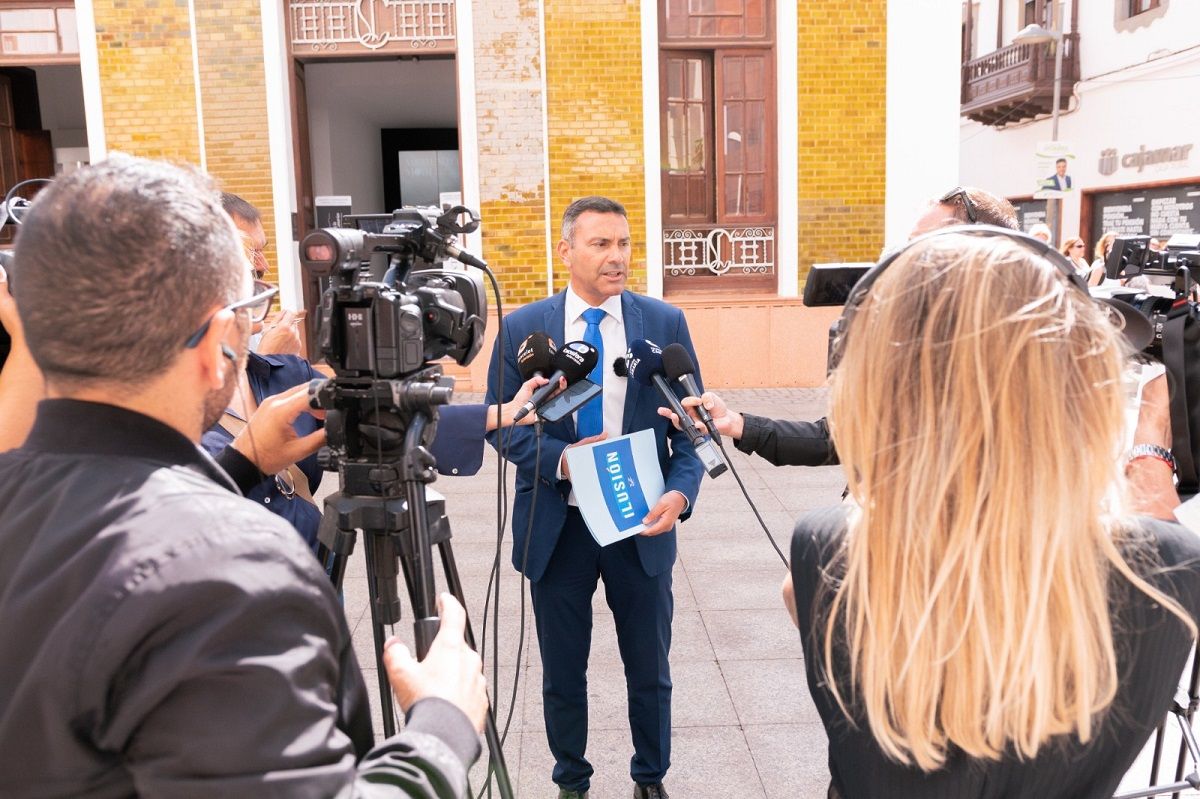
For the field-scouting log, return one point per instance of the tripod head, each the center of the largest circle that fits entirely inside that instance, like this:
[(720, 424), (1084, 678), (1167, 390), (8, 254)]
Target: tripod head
[(367, 423)]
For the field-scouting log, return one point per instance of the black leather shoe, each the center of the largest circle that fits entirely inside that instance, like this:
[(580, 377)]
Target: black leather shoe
[(655, 791), (564, 793)]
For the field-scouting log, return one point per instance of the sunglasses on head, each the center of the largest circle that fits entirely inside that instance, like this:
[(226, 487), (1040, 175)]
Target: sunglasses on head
[(958, 193)]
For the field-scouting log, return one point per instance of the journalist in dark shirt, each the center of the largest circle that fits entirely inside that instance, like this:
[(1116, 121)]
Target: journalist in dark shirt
[(162, 635), (984, 618)]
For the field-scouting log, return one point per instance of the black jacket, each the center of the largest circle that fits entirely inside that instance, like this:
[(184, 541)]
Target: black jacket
[(162, 636), (787, 443)]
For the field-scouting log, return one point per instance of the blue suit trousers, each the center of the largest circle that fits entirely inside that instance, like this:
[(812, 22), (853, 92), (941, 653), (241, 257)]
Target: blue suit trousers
[(642, 609)]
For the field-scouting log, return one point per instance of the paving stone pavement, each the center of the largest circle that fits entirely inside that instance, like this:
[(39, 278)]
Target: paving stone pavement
[(743, 723)]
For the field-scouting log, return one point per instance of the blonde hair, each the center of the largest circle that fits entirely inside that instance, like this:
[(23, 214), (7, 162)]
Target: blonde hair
[(1069, 242), (977, 412), (1104, 244)]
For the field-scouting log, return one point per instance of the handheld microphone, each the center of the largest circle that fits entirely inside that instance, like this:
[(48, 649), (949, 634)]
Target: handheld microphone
[(534, 355), (679, 366), (644, 363), (574, 361)]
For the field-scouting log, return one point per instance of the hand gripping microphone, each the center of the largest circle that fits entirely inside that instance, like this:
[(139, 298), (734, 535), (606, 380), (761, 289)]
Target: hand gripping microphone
[(574, 362), (679, 366), (644, 363), (534, 354)]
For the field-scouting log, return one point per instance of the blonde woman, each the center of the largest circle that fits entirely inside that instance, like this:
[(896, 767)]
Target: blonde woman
[(1103, 246), (982, 618), (1076, 252)]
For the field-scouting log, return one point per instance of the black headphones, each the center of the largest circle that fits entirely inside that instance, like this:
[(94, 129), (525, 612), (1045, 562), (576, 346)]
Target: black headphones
[(1134, 330)]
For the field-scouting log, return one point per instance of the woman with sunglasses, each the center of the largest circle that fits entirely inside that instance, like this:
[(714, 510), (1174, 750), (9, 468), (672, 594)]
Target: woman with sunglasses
[(984, 617), (1076, 252)]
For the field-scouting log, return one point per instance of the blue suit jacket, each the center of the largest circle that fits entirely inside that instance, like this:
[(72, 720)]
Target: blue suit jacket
[(645, 318)]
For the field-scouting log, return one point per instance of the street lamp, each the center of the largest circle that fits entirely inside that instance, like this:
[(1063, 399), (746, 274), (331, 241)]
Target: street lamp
[(1036, 34)]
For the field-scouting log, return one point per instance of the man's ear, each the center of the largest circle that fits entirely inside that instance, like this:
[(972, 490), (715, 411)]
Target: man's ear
[(562, 249)]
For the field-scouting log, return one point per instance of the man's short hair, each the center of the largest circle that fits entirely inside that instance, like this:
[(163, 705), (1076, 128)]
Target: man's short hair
[(1060, 161), (116, 265), (595, 203), (989, 210), (237, 207)]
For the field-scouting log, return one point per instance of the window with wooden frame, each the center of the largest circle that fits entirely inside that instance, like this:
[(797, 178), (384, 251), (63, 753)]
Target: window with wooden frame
[(38, 33), (717, 122), (1142, 6)]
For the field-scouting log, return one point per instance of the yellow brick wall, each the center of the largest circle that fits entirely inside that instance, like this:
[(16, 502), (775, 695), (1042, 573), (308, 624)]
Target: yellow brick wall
[(842, 136), (234, 99), (512, 147), (594, 102), (146, 78)]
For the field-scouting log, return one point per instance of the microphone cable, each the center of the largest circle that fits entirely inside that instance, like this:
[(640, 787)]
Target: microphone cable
[(750, 502), (619, 366)]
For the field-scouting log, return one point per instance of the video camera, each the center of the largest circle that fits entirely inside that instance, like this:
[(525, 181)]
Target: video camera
[(1177, 266), (379, 317), (1132, 256)]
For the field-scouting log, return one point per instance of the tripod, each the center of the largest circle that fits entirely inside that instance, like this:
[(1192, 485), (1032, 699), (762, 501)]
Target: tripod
[(385, 498)]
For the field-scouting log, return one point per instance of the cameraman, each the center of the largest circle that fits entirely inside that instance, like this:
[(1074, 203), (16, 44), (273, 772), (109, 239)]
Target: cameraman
[(163, 636)]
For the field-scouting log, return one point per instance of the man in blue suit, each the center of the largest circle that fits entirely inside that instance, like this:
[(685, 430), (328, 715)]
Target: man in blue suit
[(551, 543), (1060, 180)]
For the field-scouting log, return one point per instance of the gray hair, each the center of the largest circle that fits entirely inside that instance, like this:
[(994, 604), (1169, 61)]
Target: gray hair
[(116, 265), (600, 205), (236, 206)]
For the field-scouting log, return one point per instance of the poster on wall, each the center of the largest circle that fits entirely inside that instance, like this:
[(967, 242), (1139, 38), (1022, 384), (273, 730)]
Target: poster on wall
[(1158, 212), (1052, 170), (331, 209)]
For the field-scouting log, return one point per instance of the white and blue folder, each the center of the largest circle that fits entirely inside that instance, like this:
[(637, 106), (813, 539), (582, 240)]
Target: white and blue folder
[(616, 481)]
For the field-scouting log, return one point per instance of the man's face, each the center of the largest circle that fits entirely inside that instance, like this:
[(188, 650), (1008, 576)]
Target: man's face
[(939, 215), (1061, 168), (238, 342), (598, 258), (217, 400), (254, 241)]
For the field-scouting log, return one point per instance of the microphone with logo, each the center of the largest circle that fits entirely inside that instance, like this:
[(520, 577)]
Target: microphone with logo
[(534, 354), (644, 363), (573, 362), (679, 366)]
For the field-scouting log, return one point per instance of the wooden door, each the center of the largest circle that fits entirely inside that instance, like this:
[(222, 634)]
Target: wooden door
[(304, 220)]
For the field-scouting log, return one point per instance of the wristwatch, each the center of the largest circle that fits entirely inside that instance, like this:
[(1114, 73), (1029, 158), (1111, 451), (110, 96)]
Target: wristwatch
[(1151, 451)]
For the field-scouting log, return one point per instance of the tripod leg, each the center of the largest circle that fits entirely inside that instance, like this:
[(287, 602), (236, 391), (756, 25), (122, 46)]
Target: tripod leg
[(490, 732), (381, 553)]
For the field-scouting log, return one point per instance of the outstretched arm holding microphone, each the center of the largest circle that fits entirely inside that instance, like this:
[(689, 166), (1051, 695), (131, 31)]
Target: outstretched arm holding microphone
[(780, 441)]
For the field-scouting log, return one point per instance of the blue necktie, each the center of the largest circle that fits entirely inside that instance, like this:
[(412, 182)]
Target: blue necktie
[(591, 416)]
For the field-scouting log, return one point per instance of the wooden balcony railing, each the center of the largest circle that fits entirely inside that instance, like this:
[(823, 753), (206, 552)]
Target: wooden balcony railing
[(1017, 82)]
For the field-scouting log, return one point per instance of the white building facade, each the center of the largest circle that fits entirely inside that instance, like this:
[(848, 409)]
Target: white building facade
[(1130, 112)]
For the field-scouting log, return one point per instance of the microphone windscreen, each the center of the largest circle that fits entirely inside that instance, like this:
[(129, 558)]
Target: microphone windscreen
[(621, 367), (576, 360), (677, 361), (644, 360), (534, 355)]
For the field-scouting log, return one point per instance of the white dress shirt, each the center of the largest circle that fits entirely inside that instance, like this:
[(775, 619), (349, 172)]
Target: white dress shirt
[(612, 334)]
